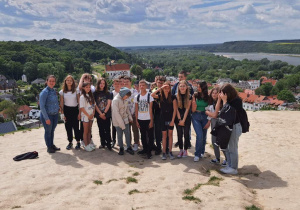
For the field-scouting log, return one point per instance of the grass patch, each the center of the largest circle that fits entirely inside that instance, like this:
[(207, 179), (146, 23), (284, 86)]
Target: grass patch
[(97, 182), (214, 181), (135, 174), (253, 207), (133, 191), (131, 179), (191, 198), (16, 207), (111, 180), (191, 191)]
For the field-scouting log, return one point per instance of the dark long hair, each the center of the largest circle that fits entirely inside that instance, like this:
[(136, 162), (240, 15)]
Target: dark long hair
[(210, 98), (105, 89), (90, 97), (229, 91), (48, 77), (204, 92)]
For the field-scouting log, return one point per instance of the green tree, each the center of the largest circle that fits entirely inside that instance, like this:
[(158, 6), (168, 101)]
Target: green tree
[(44, 69), (30, 70), (5, 104), (137, 70), (149, 75), (12, 112), (286, 95)]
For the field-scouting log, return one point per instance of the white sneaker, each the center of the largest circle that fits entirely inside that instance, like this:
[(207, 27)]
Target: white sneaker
[(196, 159), (135, 147), (229, 170), (202, 156), (88, 148), (225, 168)]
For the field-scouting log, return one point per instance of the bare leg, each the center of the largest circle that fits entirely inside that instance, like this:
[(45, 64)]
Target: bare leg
[(86, 132), (170, 132), (164, 134)]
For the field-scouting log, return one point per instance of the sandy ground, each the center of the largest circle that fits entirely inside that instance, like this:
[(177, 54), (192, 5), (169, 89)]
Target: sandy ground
[(268, 173)]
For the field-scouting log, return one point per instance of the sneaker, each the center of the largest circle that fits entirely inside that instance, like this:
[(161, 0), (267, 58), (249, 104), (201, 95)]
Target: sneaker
[(225, 168), (82, 143), (164, 156), (180, 154), (185, 154), (229, 170), (93, 146), (121, 151), (70, 145), (130, 151), (202, 156), (135, 147), (224, 163), (176, 144), (55, 148), (50, 150), (215, 161), (142, 152), (196, 159), (77, 146), (171, 156), (88, 148)]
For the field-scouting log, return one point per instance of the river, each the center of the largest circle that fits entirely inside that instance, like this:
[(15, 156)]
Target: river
[(292, 59)]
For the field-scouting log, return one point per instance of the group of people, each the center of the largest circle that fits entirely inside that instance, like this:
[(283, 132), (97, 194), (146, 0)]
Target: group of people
[(147, 115)]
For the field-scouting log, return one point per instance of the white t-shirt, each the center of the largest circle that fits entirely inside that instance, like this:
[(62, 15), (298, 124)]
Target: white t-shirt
[(87, 106), (70, 99), (144, 106), (130, 101), (115, 93)]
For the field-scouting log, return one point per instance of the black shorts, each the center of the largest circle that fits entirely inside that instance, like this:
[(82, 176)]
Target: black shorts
[(166, 126)]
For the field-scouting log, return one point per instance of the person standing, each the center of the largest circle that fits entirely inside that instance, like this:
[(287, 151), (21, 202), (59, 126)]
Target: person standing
[(103, 102), (69, 108), (49, 106), (199, 119), (117, 87), (131, 106), (144, 118), (121, 117)]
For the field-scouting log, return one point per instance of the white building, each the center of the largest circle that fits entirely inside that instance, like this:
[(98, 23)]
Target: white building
[(24, 78), (116, 70), (254, 84)]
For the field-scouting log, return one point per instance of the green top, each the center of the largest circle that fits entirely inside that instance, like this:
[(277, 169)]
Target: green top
[(201, 104)]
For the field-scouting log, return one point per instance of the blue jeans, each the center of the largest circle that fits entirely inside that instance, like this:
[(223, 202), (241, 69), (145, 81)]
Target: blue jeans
[(199, 120), (49, 129), (120, 132)]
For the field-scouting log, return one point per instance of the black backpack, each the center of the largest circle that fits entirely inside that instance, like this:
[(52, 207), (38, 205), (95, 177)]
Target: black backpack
[(244, 120), (148, 98), (28, 155)]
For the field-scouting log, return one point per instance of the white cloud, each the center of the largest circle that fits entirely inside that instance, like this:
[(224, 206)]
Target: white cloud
[(247, 9)]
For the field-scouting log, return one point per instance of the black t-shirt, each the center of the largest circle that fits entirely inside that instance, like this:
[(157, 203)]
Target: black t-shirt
[(182, 110), (101, 99), (166, 108), (155, 106)]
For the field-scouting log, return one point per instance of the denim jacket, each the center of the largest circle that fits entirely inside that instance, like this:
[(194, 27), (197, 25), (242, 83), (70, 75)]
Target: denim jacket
[(48, 102)]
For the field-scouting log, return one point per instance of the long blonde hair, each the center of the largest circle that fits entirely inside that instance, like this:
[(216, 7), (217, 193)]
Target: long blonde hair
[(65, 86), (186, 95)]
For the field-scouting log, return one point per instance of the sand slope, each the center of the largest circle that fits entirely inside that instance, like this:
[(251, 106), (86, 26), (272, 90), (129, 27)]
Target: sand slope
[(268, 173)]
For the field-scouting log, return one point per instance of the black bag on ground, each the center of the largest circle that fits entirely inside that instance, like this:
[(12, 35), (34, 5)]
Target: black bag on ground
[(28, 155)]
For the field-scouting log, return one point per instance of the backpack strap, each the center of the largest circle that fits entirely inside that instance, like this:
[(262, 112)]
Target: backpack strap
[(138, 97), (148, 98)]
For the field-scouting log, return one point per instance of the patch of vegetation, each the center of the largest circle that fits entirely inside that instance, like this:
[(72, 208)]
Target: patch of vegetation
[(191, 198), (97, 182), (111, 180), (133, 191), (193, 190), (253, 207), (214, 181), (136, 174), (16, 207), (131, 179)]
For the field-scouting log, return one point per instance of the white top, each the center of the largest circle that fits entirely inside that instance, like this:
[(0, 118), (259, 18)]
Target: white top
[(130, 101), (115, 93), (87, 106), (70, 99), (144, 106), (211, 109)]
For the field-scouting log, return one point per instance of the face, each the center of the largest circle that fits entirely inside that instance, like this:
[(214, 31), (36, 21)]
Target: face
[(125, 97), (159, 83), (116, 85), (167, 89), (87, 88), (142, 86), (69, 81), (102, 85), (199, 89), (121, 83), (51, 82), (127, 83), (214, 94), (181, 77), (182, 88)]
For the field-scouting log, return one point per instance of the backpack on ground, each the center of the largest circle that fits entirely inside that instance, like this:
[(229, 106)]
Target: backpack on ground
[(28, 155)]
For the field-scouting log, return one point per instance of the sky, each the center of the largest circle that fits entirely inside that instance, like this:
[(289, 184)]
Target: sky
[(150, 22)]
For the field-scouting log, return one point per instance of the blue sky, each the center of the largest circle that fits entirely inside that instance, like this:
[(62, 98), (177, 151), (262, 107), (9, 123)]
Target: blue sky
[(150, 22)]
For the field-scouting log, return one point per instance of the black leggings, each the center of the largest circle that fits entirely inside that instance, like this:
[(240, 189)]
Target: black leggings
[(183, 131), (104, 131), (72, 122)]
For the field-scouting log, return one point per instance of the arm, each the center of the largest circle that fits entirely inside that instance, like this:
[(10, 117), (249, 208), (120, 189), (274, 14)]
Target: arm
[(61, 104), (154, 94), (137, 114), (194, 104), (151, 115), (117, 116), (78, 100), (186, 112), (43, 98)]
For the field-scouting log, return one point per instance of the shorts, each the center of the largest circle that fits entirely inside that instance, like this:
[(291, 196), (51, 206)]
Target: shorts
[(84, 118), (166, 126)]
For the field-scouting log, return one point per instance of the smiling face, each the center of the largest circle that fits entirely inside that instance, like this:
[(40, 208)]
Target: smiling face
[(182, 88), (87, 88), (127, 83), (181, 77), (51, 82), (69, 82)]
